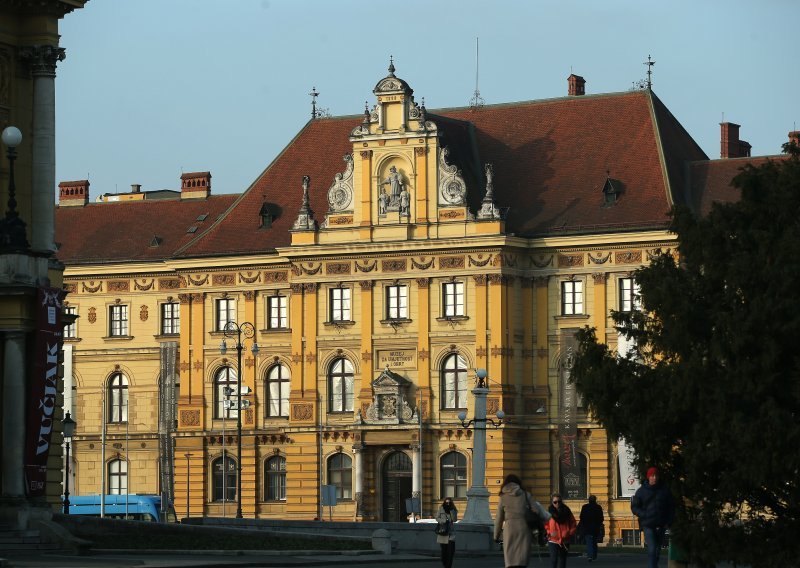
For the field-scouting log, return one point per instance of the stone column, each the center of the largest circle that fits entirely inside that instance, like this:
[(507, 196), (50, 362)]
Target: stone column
[(416, 473), (14, 395), (42, 60), (478, 496), (359, 467)]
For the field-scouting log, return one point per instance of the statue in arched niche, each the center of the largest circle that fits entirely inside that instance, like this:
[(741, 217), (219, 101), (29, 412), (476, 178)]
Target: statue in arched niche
[(395, 181), (398, 198)]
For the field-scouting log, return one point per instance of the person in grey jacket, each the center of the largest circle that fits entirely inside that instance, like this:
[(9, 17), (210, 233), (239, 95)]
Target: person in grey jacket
[(510, 521), (653, 504), (447, 542)]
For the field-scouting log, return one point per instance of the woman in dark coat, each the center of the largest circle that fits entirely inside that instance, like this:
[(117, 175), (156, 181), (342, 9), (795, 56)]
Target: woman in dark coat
[(591, 526), (510, 521), (447, 514)]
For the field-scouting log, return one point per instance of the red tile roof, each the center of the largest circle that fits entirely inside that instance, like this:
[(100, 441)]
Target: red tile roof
[(133, 230), (551, 160), (712, 181)]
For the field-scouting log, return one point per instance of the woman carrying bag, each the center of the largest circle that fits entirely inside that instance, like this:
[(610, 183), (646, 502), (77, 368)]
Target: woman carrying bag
[(511, 523), (446, 518), (560, 529)]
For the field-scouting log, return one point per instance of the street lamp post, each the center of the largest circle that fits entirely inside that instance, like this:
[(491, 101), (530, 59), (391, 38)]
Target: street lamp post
[(478, 495), (248, 331), (68, 425), (12, 227)]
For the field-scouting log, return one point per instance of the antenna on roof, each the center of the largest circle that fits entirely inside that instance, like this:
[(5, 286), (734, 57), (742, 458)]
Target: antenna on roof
[(313, 94), (476, 101), (649, 64)]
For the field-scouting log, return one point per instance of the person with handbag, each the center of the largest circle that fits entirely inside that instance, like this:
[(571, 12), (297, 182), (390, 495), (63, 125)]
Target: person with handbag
[(446, 518), (560, 528), (591, 526), (518, 513)]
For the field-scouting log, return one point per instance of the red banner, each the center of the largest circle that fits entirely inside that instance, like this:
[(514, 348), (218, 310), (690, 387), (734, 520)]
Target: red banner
[(43, 388)]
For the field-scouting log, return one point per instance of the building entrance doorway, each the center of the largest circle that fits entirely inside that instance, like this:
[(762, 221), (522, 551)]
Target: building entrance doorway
[(396, 486)]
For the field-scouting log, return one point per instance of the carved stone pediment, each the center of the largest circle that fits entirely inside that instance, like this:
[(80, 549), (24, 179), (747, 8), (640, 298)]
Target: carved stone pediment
[(389, 404)]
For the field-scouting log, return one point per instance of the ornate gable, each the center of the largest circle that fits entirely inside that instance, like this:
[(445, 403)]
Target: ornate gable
[(389, 404)]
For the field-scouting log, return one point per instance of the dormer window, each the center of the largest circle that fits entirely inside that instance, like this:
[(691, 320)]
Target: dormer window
[(612, 189), (267, 214)]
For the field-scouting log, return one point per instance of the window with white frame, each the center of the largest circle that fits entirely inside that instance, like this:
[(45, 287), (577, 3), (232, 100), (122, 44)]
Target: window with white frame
[(452, 299), (117, 477), (275, 482), (277, 312), (571, 297), (629, 298), (118, 320), (170, 318), (397, 301), (453, 475), (340, 474), (223, 478), (454, 382), (117, 398), (340, 386), (277, 384), (340, 304), (226, 311), (225, 396), (71, 330)]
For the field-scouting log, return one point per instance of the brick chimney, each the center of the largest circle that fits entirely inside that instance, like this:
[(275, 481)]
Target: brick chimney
[(136, 188), (73, 193), (577, 85), (195, 185), (730, 145)]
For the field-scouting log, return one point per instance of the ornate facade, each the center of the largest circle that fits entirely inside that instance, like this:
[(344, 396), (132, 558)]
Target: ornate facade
[(447, 241)]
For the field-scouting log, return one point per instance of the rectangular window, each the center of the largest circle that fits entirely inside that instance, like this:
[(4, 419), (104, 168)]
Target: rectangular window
[(453, 299), (397, 302), (170, 318), (277, 306), (631, 537), (629, 299), (118, 317), (571, 297), (340, 304), (226, 311), (71, 331)]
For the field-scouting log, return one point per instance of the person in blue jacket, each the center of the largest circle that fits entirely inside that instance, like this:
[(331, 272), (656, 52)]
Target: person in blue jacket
[(655, 508)]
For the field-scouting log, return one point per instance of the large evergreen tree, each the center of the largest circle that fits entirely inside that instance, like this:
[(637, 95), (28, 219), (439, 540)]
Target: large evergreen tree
[(711, 391)]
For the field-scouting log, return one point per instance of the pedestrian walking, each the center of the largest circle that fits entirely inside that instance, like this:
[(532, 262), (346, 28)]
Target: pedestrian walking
[(654, 506), (591, 526), (446, 531), (510, 521), (560, 528)]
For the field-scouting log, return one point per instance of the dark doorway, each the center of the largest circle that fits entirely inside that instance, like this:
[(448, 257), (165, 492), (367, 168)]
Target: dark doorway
[(396, 486)]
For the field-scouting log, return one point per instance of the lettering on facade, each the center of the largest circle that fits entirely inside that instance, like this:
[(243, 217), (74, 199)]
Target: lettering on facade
[(340, 220), (397, 359)]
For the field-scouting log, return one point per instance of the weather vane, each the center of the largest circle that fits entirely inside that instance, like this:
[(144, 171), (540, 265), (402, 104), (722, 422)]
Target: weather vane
[(476, 101), (649, 64)]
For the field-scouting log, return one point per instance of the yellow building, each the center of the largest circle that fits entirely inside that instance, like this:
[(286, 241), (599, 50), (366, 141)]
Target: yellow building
[(30, 278), (374, 286)]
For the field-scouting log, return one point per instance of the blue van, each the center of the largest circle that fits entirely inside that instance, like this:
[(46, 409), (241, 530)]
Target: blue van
[(132, 507)]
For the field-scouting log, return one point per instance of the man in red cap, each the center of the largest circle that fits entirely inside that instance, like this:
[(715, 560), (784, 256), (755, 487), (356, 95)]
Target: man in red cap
[(653, 504)]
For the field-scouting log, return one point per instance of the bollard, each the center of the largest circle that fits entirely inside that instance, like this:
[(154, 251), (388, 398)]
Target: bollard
[(382, 541)]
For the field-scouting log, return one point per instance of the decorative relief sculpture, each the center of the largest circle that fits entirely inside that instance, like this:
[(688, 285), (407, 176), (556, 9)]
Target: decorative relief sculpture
[(305, 217), (397, 198), (452, 188), (389, 405), (340, 194)]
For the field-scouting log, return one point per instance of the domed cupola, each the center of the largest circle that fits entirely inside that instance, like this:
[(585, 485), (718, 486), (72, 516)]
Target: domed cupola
[(391, 84)]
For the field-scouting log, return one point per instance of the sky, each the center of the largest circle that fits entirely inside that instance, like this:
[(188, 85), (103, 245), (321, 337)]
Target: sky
[(153, 88)]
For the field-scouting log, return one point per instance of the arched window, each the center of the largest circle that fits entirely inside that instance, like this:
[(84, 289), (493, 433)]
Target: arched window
[(572, 484), (117, 477), (225, 396), (223, 479), (118, 398), (277, 385), (340, 386), (275, 482), (340, 474), (453, 473), (454, 382)]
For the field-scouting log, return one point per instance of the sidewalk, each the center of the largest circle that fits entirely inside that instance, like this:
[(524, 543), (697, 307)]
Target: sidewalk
[(202, 559)]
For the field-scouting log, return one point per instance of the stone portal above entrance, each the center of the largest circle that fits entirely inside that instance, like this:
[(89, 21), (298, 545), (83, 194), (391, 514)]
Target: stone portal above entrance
[(389, 404)]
